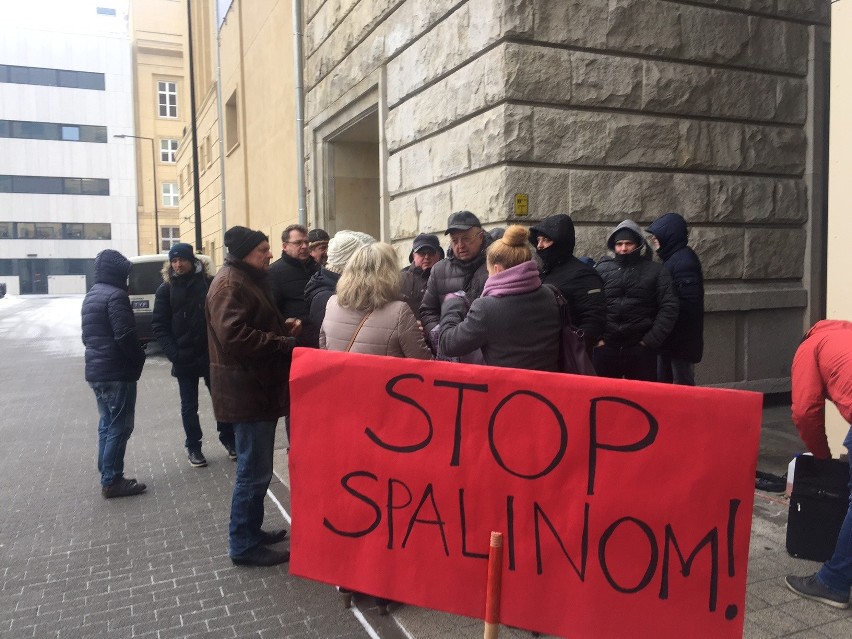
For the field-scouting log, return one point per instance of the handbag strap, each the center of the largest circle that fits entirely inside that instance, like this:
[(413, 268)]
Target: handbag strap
[(357, 330)]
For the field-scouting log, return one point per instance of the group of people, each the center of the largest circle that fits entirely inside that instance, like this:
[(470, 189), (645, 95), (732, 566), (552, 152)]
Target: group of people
[(489, 299)]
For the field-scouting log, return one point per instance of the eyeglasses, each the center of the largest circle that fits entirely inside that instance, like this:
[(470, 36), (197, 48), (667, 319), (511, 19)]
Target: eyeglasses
[(426, 250), (298, 242), (466, 239)]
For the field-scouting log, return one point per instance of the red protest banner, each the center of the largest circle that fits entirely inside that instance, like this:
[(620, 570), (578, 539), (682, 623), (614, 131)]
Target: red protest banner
[(625, 506)]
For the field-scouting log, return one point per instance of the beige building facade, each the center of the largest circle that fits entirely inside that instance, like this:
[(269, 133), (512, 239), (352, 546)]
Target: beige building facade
[(161, 112)]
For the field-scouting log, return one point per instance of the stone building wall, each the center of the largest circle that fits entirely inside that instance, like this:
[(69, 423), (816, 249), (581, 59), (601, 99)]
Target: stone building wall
[(602, 109)]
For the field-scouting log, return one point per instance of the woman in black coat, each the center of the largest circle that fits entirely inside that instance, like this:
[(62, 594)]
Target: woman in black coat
[(684, 346)]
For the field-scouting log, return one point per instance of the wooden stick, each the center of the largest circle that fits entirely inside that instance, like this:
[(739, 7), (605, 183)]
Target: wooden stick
[(494, 586)]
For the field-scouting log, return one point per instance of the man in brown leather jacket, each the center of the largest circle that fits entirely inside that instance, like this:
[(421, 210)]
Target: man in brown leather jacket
[(251, 346)]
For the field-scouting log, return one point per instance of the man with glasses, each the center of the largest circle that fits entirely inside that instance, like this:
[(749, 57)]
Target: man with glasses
[(463, 270), (288, 277), (425, 253)]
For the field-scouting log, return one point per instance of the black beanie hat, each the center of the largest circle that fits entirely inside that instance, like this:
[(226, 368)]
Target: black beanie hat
[(183, 251), (626, 234), (241, 240)]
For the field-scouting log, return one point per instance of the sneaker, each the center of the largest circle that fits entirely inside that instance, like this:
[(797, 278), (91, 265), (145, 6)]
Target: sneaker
[(267, 538), (123, 487), (261, 556), (196, 459), (232, 452), (811, 588)]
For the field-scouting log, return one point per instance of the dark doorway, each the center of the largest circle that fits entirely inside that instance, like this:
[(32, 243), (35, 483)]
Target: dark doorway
[(33, 277)]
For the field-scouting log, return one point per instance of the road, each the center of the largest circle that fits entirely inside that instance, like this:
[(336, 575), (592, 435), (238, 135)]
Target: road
[(76, 565)]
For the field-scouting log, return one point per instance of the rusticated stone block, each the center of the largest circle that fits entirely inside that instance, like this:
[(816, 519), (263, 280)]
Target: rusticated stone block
[(715, 36), (394, 173), (650, 27), (682, 193), (574, 22), (739, 94), (721, 251), (403, 217), (434, 206), (774, 253), (537, 73), (570, 137), (642, 142), (548, 191), (676, 88), (791, 202), (791, 100), (591, 240), (756, 6), (779, 45), (485, 194), (774, 150), (734, 199), (605, 81), (710, 145), (602, 196), (811, 10)]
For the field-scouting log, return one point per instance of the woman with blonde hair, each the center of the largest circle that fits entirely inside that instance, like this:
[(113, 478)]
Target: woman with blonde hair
[(366, 315), (516, 322)]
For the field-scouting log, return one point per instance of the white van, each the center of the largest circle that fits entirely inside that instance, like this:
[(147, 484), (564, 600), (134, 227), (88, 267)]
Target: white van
[(145, 277)]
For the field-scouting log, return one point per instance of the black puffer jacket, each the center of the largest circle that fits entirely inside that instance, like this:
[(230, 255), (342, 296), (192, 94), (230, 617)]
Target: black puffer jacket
[(319, 290), (288, 278), (686, 341), (641, 304), (179, 323), (113, 351), (580, 283), (451, 275), (414, 281)]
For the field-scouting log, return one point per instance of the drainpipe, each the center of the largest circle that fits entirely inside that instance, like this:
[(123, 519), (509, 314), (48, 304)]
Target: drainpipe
[(300, 109), (194, 124), (220, 125)]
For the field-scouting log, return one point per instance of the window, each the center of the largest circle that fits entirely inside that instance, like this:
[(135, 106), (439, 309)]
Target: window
[(168, 151), (171, 194), (232, 129), (52, 131), (167, 99), (48, 230), (105, 11), (53, 185), (169, 236), (52, 77), (55, 231), (6, 231)]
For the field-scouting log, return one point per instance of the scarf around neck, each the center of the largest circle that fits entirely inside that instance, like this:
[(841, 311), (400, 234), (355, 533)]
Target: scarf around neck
[(523, 278)]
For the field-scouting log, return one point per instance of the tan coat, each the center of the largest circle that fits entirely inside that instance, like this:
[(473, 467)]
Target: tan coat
[(391, 330)]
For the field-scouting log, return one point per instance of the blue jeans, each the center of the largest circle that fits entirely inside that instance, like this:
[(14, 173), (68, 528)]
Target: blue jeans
[(255, 442), (188, 388), (836, 573), (673, 370), (117, 409)]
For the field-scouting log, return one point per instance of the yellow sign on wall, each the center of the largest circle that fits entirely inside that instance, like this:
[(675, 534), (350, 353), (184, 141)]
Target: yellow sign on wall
[(522, 204)]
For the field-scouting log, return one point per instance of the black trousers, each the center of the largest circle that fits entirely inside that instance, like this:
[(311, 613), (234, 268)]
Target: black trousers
[(628, 362)]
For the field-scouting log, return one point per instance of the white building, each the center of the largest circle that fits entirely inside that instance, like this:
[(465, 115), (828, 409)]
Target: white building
[(67, 187)]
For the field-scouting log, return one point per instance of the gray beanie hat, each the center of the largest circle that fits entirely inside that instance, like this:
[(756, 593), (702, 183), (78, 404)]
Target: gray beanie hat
[(343, 245)]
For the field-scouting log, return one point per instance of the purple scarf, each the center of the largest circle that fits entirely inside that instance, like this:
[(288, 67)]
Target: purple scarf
[(523, 278)]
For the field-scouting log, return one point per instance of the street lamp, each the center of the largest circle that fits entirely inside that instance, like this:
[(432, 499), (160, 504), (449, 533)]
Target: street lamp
[(158, 248)]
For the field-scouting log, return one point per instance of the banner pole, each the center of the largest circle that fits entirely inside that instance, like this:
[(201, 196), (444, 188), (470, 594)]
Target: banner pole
[(494, 586)]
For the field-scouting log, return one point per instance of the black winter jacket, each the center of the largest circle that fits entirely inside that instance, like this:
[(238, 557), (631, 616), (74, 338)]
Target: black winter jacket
[(580, 283), (179, 322), (641, 304), (319, 290), (686, 341), (287, 279), (451, 275), (414, 281), (113, 351)]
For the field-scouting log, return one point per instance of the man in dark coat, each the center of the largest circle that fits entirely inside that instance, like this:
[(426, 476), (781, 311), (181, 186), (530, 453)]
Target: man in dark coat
[(288, 277), (251, 346), (580, 283), (684, 346), (463, 270), (641, 307), (114, 360), (180, 326), (426, 251)]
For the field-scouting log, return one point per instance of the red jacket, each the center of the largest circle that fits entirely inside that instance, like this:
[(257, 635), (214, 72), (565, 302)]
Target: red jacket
[(822, 369)]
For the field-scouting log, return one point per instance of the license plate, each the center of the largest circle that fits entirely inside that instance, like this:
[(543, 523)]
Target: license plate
[(139, 304)]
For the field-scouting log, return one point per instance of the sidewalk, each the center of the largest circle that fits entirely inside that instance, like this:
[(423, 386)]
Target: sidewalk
[(771, 609)]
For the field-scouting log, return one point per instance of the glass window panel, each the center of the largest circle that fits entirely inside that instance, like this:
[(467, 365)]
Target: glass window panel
[(171, 194), (169, 236), (4, 73), (5, 183), (25, 230), (36, 184), (105, 11), (19, 75), (4, 128), (70, 132), (168, 151), (86, 80), (44, 77), (97, 231), (67, 78), (93, 134), (6, 231), (73, 231), (95, 186), (48, 230), (71, 186)]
